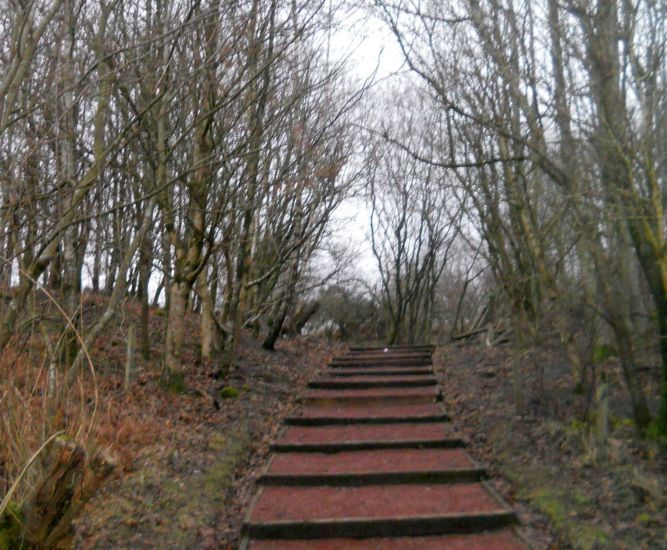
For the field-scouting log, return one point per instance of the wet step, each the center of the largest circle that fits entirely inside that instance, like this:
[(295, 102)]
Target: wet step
[(375, 511), (502, 539), (366, 381), (367, 436), (386, 466), (379, 371), (372, 396), (319, 416)]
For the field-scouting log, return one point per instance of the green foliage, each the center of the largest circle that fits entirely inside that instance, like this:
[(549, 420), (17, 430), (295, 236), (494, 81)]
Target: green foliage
[(602, 352), (10, 529), (229, 392), (643, 518), (659, 425), (656, 432), (578, 425), (174, 382), (620, 422)]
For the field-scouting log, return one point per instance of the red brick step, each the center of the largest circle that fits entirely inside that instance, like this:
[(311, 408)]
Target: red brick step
[(381, 362), (378, 371), (503, 539), (367, 436), (398, 396), (369, 462), (375, 510), (382, 356), (361, 382), (405, 348), (372, 467), (320, 416)]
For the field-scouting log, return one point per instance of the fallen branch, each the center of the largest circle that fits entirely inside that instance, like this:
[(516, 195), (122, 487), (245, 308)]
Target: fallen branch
[(469, 334)]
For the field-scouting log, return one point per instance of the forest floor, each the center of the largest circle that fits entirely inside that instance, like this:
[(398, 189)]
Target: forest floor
[(189, 478), (569, 492), (188, 460)]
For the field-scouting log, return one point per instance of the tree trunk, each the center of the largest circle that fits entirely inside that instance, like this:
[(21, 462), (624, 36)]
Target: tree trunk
[(61, 492), (302, 316), (178, 297), (207, 322), (277, 326), (68, 165), (144, 278)]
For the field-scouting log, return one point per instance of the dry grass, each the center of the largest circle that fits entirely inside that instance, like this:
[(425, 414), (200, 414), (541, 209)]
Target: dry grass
[(30, 413)]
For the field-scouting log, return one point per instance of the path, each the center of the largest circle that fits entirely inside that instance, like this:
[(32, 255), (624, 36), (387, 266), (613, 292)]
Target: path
[(369, 461)]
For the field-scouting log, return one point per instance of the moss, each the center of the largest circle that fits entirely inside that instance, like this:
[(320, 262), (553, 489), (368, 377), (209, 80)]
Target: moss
[(217, 443), (191, 501), (551, 505), (11, 534), (578, 425), (229, 392), (174, 382), (602, 352), (654, 432), (120, 512), (643, 518), (621, 422), (563, 509), (587, 537), (231, 451)]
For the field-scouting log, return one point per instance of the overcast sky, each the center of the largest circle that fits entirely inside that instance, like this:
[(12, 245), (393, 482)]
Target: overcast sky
[(370, 48)]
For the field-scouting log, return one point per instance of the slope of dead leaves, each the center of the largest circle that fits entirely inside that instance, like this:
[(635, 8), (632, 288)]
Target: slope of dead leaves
[(188, 461), (568, 493)]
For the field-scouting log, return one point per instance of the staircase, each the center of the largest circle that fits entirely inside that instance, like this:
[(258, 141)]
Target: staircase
[(369, 461)]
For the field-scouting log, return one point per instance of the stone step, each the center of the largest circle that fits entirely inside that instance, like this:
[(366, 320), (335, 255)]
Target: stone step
[(321, 416), (366, 437), (373, 396), (375, 511), (384, 466), (365, 381), (501, 539)]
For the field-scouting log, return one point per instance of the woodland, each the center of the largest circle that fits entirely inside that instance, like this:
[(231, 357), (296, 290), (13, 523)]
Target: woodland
[(176, 182)]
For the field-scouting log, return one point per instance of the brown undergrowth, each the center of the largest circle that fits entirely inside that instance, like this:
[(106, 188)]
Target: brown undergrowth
[(569, 492), (186, 457)]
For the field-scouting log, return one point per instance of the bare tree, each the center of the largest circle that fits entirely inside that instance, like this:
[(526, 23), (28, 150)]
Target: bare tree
[(507, 102)]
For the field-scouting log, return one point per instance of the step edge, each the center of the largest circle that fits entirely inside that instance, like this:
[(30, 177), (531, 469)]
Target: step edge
[(388, 527), (417, 477), (453, 443), (340, 421)]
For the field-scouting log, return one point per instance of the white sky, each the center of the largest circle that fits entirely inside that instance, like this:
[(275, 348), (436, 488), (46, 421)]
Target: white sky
[(370, 47)]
